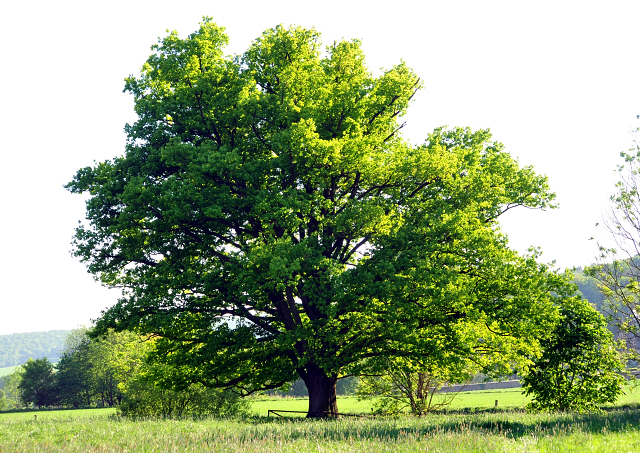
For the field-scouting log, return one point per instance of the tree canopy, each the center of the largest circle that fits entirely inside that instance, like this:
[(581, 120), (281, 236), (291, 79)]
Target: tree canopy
[(36, 382), (268, 221)]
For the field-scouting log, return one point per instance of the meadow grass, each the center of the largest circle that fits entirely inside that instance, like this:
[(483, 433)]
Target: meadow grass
[(480, 428), (509, 399), (56, 414), (485, 399), (7, 370), (346, 405), (613, 431)]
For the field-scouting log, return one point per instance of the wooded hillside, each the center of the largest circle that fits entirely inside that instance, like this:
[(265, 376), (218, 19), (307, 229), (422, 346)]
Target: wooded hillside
[(15, 349), (587, 288)]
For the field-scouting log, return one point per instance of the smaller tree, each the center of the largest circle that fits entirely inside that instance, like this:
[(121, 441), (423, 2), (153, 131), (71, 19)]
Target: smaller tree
[(10, 385), (579, 365), (73, 370), (403, 387), (4, 403), (116, 358), (37, 384), (95, 369)]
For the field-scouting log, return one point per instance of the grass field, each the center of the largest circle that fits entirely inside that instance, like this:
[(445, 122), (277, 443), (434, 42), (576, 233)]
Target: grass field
[(485, 399), (7, 370), (100, 431), (507, 399), (510, 430)]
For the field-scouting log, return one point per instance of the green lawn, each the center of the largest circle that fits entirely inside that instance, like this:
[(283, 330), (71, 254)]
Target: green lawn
[(482, 399), (346, 405), (62, 414), (485, 399), (7, 370)]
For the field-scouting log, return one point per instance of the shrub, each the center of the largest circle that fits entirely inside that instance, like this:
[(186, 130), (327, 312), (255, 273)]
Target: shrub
[(402, 387), (579, 367), (143, 398)]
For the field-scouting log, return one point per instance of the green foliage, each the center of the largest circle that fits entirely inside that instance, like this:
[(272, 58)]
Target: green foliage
[(403, 387), (4, 403), (294, 389), (344, 387), (95, 370), (73, 371), (90, 372), (274, 189), (37, 383), (110, 371), (17, 348), (347, 386), (161, 391), (579, 363), (116, 357), (10, 386), (143, 398)]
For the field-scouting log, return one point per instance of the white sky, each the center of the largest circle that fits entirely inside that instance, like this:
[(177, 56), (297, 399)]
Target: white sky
[(555, 81)]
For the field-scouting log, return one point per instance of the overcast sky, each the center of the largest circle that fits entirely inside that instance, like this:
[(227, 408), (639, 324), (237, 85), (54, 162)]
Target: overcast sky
[(555, 81)]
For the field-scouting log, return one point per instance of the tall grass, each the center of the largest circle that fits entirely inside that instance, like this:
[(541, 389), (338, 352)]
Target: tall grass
[(473, 424), (612, 431)]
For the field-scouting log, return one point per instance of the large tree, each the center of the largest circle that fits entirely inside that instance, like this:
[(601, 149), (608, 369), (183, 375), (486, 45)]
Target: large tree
[(268, 221)]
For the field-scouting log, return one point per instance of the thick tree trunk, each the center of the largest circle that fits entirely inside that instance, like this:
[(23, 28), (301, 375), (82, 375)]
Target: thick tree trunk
[(322, 392)]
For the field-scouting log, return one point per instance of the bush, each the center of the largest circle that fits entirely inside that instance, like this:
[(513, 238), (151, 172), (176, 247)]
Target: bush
[(143, 398), (403, 387), (579, 367)]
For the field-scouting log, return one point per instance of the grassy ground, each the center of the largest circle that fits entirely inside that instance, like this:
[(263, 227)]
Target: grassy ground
[(511, 430), (7, 370), (62, 414), (507, 399), (613, 431), (346, 405)]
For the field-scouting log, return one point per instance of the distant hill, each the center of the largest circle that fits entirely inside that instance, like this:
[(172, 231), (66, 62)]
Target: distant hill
[(17, 348), (588, 289)]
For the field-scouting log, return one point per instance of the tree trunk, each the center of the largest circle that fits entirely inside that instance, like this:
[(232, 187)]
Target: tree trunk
[(322, 392)]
